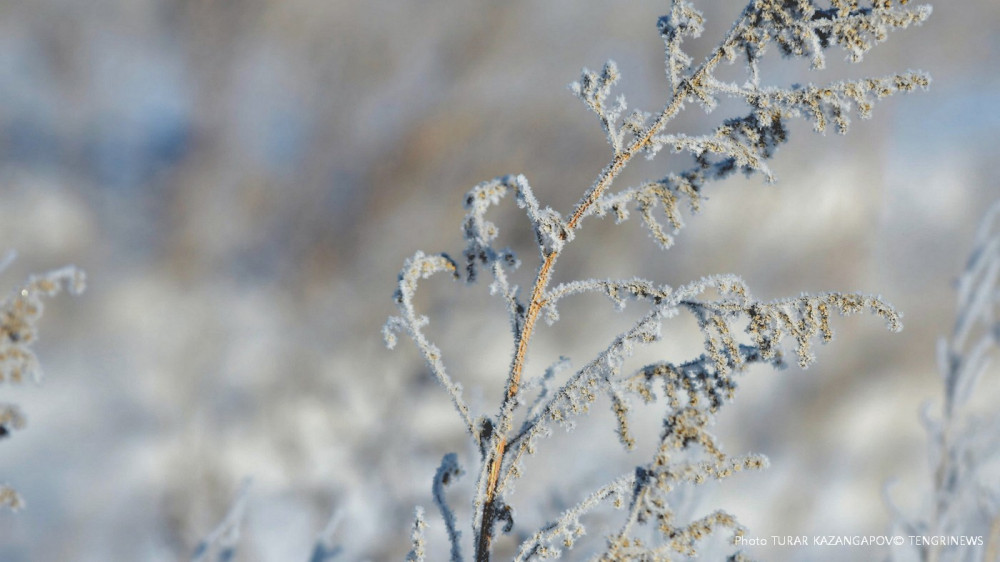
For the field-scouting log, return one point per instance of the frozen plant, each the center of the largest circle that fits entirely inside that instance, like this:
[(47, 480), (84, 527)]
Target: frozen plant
[(19, 314), (690, 390), (964, 445), (224, 539)]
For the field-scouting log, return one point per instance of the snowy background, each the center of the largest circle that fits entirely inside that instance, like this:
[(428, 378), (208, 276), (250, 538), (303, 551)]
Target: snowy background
[(242, 181)]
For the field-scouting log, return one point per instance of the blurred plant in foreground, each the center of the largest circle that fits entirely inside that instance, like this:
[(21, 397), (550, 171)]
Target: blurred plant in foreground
[(964, 446), (19, 314), (690, 391)]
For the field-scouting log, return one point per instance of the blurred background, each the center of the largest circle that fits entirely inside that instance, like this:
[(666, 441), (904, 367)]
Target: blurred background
[(242, 181)]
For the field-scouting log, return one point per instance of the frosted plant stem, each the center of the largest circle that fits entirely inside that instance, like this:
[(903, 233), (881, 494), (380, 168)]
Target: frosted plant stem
[(604, 181), (744, 143)]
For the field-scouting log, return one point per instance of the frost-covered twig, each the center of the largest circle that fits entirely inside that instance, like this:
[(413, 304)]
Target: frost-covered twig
[(446, 474), (422, 266), (694, 388), (567, 527), (226, 536), (19, 314), (325, 548), (418, 552), (963, 444)]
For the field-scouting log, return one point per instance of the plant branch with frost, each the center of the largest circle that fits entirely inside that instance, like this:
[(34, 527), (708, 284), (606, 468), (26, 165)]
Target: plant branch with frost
[(964, 496), (694, 389), (20, 312)]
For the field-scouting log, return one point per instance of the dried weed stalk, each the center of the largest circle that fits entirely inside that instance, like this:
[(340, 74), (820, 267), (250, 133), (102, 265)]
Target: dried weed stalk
[(694, 389)]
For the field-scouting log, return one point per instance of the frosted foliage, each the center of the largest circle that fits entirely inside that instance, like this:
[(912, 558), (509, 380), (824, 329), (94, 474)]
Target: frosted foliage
[(737, 329), (964, 442), (20, 312)]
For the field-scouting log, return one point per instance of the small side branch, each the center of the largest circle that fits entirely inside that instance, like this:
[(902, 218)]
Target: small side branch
[(422, 266), (226, 536), (446, 475)]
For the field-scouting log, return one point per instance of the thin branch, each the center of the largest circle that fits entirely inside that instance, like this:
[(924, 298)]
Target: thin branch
[(225, 537)]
